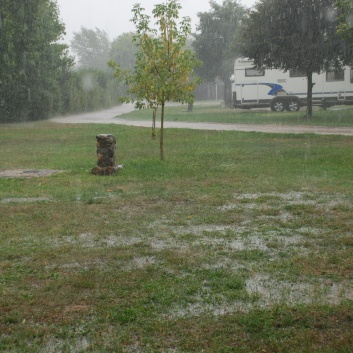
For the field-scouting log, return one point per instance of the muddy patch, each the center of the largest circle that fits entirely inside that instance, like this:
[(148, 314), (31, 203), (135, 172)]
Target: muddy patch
[(265, 292), (272, 291), (27, 173), (24, 200)]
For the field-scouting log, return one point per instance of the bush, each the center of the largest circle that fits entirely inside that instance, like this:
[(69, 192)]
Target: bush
[(41, 105), (13, 102)]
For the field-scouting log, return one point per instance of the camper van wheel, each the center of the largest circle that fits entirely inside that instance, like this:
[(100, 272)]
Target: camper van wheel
[(293, 105), (278, 105)]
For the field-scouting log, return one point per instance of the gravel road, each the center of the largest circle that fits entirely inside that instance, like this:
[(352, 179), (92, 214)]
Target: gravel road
[(110, 116)]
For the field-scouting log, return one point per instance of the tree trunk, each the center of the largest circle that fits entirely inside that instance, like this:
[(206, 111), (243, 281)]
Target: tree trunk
[(227, 95), (309, 103), (161, 147), (154, 123)]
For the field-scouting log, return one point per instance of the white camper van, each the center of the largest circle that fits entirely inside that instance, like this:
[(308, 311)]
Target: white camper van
[(281, 90)]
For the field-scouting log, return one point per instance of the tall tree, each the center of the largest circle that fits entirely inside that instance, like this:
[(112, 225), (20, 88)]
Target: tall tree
[(164, 67), (32, 59), (215, 34), (92, 48), (293, 34), (123, 51)]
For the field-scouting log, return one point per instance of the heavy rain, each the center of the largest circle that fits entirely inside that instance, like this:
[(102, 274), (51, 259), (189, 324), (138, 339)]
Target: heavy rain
[(176, 176)]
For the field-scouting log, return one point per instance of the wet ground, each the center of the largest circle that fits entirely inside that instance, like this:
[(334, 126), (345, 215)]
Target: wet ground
[(110, 116), (27, 173)]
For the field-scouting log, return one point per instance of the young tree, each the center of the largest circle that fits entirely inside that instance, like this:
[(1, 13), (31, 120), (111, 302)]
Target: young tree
[(164, 67), (215, 34), (293, 34)]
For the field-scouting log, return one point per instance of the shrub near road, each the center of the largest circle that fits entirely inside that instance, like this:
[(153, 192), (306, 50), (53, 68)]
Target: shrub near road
[(236, 242)]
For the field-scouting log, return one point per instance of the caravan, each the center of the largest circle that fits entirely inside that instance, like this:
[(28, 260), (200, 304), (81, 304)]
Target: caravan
[(287, 90)]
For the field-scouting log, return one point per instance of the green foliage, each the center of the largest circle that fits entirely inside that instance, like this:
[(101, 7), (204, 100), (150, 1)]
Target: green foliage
[(40, 104), (88, 90), (164, 66), (215, 35), (301, 36), (345, 28), (123, 51), (92, 48), (293, 34), (12, 93), (32, 60), (36, 80)]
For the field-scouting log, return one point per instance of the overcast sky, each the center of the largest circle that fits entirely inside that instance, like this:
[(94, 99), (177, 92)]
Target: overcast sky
[(113, 16)]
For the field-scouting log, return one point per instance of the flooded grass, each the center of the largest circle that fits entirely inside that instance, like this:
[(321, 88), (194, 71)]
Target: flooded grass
[(189, 255)]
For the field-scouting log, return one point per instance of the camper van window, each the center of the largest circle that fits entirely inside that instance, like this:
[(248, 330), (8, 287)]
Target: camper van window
[(297, 73), (253, 71), (337, 75), (351, 75)]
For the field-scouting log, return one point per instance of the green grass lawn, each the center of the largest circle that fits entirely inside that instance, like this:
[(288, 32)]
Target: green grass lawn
[(237, 242), (336, 116)]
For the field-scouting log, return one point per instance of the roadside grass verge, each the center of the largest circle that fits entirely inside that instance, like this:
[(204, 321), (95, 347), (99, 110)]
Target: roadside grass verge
[(336, 116), (236, 242)]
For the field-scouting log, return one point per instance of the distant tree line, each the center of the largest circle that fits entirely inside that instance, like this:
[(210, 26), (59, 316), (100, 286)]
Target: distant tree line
[(38, 76), (32, 61), (84, 90)]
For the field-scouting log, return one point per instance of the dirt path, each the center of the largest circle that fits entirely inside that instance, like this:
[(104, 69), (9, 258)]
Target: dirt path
[(109, 117)]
